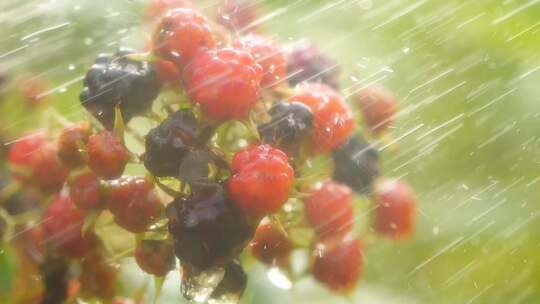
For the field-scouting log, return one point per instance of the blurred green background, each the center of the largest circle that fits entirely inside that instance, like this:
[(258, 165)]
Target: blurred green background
[(467, 74)]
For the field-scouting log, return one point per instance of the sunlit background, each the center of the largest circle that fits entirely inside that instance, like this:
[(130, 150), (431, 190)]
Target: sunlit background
[(467, 75)]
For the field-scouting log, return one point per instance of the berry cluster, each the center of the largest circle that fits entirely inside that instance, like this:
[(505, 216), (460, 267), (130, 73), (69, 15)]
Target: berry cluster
[(255, 144)]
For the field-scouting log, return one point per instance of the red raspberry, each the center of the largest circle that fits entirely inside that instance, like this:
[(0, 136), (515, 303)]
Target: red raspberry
[(333, 120), (329, 209), (155, 257), (70, 143), (181, 34), (158, 8), (107, 155), (225, 82), (62, 225), (396, 208), (379, 107), (255, 153), (268, 54), (134, 203), (168, 73), (237, 14), (22, 152), (270, 245), (86, 191), (261, 186), (338, 263), (35, 162)]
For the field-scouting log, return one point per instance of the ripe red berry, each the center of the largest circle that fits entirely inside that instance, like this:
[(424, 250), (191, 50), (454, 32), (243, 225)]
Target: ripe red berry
[(338, 263), (238, 14), (62, 225), (71, 143), (181, 34), (34, 161), (225, 82), (379, 107), (333, 120), (270, 245), (396, 208), (155, 257), (168, 73), (158, 8), (86, 191), (134, 203), (107, 155), (329, 209), (261, 186), (268, 54)]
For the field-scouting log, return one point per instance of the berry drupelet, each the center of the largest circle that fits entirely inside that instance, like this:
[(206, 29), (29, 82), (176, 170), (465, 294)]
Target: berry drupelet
[(379, 108), (107, 155), (306, 63), (262, 180), (180, 34), (395, 208), (225, 82), (86, 191), (270, 245), (268, 54), (338, 263), (329, 209), (356, 164), (333, 122), (134, 203), (155, 257), (290, 124), (116, 80), (207, 228)]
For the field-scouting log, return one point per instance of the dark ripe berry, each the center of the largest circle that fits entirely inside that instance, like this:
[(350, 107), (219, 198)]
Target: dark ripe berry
[(168, 73), (270, 245), (86, 191), (290, 124), (107, 155), (134, 203), (62, 225), (225, 82), (338, 263), (55, 276), (329, 209), (21, 154), (72, 143), (261, 185), (232, 286), (155, 257), (268, 54), (307, 63), (395, 214), (180, 34), (157, 8), (167, 144), (238, 14), (356, 164), (333, 122), (379, 108), (207, 228), (117, 80)]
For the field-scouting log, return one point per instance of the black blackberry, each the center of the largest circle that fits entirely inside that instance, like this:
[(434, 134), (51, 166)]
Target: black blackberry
[(290, 123), (117, 80), (207, 228), (307, 63), (233, 284), (168, 143), (356, 164)]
